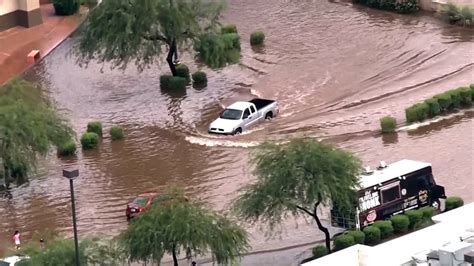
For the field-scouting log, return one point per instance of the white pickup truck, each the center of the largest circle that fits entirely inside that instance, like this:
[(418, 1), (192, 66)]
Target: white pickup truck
[(240, 116)]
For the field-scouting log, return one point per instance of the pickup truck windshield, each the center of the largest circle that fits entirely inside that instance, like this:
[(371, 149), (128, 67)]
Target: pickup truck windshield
[(231, 114)]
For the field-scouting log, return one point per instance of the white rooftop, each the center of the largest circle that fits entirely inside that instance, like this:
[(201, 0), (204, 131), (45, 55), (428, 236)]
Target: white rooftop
[(393, 170), (449, 228), (239, 105)]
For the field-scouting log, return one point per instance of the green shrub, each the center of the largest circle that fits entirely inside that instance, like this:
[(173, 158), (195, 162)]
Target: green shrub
[(116, 133), (427, 212), (417, 112), (231, 41), (372, 235), (386, 228), (411, 114), (68, 148), (343, 241), (257, 38), (433, 107), (95, 127), (65, 7), (319, 251), (172, 83), (455, 99), (453, 203), (472, 91), (200, 78), (217, 50), (182, 70), (359, 236), (466, 96), (445, 101), (388, 124), (407, 6), (415, 217), (400, 223), (231, 28), (89, 140)]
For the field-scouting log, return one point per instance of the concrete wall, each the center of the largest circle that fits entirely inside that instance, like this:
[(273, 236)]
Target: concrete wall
[(8, 6), (26, 13)]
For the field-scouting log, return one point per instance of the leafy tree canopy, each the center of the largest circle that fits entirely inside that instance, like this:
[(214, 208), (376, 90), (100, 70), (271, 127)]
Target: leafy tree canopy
[(179, 225), (122, 31), (29, 125), (296, 178)]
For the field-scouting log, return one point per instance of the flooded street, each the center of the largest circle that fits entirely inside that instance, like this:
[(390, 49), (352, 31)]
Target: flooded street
[(334, 68)]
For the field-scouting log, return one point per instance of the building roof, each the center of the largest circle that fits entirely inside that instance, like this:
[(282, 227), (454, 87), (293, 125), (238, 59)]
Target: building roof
[(450, 227), (393, 170), (239, 105)]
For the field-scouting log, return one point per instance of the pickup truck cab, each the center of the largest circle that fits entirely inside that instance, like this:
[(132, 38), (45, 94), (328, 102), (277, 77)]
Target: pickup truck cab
[(240, 116)]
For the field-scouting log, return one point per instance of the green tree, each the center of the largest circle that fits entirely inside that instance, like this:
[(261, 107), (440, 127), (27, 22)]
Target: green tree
[(178, 224), (296, 178), (29, 125), (121, 31)]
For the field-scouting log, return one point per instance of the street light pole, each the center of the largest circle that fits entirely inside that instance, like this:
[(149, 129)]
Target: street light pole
[(71, 175)]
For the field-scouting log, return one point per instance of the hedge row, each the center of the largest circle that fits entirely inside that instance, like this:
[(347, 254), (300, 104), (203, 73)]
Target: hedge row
[(399, 224), (442, 103), (90, 139), (453, 203), (373, 234), (403, 7)]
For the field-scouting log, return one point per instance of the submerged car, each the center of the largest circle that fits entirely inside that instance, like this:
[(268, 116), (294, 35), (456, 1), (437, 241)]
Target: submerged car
[(144, 202)]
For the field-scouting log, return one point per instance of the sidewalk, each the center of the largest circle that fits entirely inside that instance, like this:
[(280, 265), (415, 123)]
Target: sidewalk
[(17, 42)]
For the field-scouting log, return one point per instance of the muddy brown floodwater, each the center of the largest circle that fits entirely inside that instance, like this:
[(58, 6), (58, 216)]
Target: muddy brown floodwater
[(334, 68)]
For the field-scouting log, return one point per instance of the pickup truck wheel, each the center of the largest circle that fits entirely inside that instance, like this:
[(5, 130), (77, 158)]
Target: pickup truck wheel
[(269, 116), (238, 131)]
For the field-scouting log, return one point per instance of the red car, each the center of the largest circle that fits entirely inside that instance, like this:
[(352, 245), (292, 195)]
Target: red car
[(141, 203), (146, 201)]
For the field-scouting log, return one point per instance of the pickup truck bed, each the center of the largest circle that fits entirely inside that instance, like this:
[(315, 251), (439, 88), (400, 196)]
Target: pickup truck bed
[(261, 103)]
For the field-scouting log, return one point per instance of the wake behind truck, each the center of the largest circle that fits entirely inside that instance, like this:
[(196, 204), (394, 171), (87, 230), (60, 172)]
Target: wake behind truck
[(392, 189)]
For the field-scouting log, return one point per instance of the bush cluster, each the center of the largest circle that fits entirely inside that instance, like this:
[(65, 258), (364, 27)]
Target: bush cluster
[(65, 7), (400, 223), (386, 228), (319, 251), (116, 133), (68, 148), (372, 235), (90, 140), (95, 127), (217, 50), (343, 241), (359, 236), (169, 82), (459, 15), (403, 7), (453, 203), (200, 78), (182, 70), (257, 38), (441, 103), (415, 217), (231, 28), (388, 124)]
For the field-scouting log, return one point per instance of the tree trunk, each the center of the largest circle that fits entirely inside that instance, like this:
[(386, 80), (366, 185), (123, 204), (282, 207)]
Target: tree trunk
[(322, 228), (175, 258), (172, 51)]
